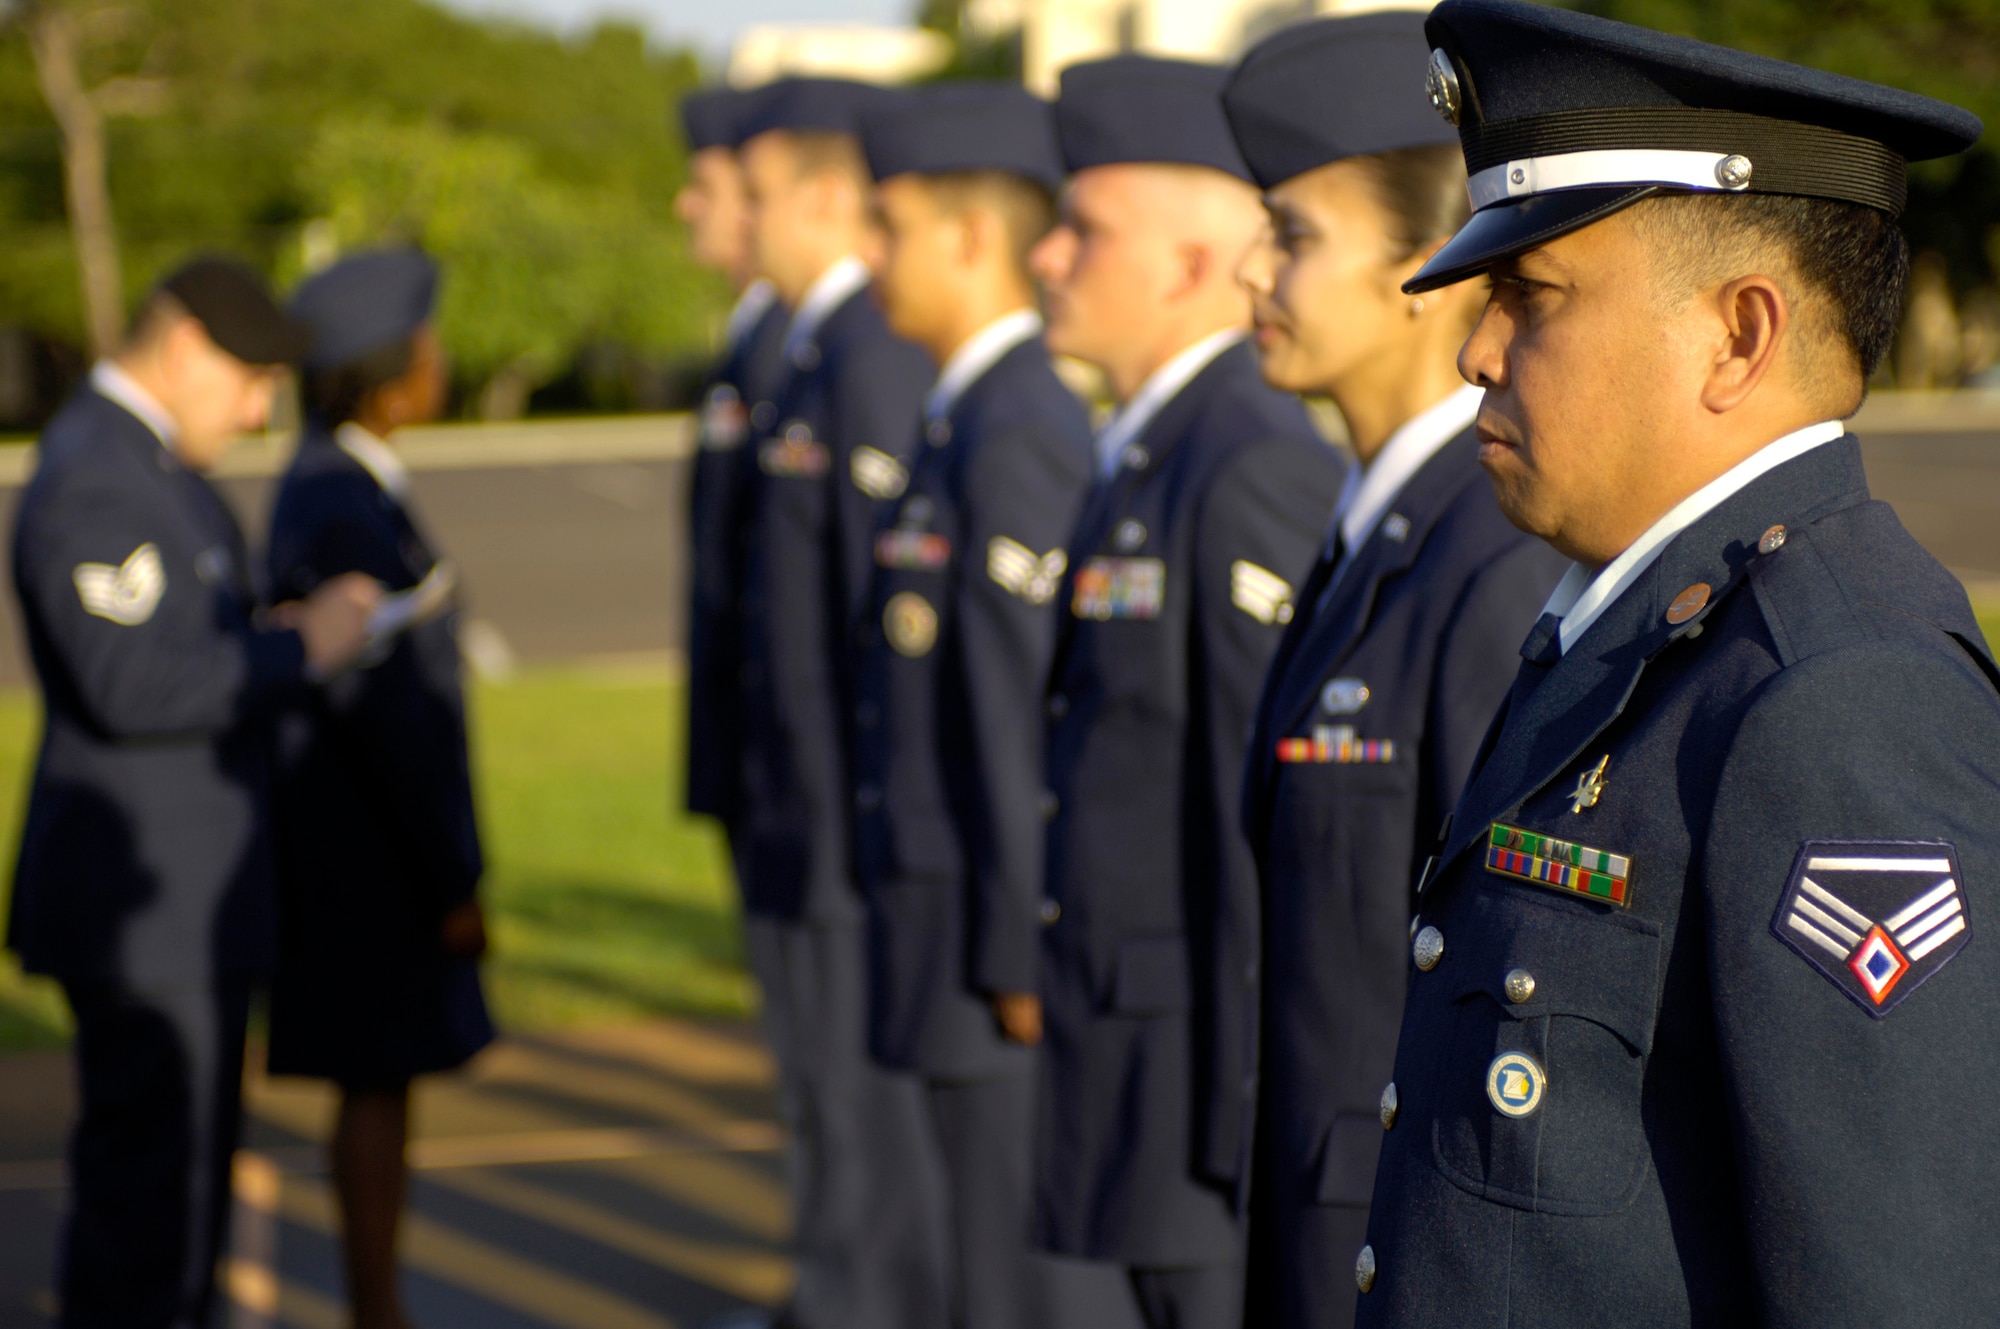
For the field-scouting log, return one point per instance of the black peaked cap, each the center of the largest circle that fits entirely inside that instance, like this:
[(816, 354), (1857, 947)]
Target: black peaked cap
[(966, 127), (1328, 89), (1139, 108), (1566, 118), (816, 105), (365, 302), (715, 117), (235, 307)]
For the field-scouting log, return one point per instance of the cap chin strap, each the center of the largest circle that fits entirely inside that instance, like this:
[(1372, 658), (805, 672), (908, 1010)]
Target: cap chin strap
[(1528, 176)]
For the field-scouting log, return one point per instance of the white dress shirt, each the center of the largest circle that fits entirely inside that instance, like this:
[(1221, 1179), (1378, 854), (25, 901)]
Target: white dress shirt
[(376, 457), (1370, 490), (1160, 388), (827, 293), (977, 354), (114, 384), (1582, 596)]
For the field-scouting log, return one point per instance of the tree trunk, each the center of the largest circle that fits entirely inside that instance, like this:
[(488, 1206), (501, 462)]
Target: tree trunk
[(53, 41)]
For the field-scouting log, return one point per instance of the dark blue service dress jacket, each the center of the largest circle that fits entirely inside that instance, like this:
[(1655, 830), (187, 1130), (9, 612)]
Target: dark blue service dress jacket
[(1179, 584), (736, 406), (1373, 709), (1700, 1028), (954, 656), (376, 834), (146, 855), (846, 423)]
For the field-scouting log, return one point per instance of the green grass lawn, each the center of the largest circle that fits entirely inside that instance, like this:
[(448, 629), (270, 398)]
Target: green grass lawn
[(605, 903)]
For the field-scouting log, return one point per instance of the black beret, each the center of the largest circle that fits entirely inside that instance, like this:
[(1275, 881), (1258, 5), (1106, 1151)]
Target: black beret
[(966, 127), (1321, 91), (235, 307), (816, 105), (365, 302), (1139, 108), (1566, 118), (714, 117)]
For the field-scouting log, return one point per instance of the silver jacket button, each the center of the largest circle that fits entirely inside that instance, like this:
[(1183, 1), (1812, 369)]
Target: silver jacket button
[(1364, 1268), (1389, 1105), (1427, 949), (1520, 985)]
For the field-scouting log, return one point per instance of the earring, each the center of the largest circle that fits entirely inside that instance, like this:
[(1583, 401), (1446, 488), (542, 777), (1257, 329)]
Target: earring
[(1416, 305)]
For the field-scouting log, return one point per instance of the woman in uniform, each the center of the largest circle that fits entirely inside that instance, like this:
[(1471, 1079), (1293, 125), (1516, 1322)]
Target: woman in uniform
[(379, 855), (1403, 641)]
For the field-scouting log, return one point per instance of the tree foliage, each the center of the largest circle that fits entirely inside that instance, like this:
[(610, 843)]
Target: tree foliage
[(539, 169)]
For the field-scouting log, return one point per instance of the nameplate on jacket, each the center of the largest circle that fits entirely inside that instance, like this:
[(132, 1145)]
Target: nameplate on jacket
[(1543, 860), (1336, 745), (1120, 588), (911, 551), (794, 453)]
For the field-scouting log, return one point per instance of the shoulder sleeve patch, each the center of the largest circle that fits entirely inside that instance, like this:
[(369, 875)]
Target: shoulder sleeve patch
[(877, 474), (1876, 918), (1018, 570), (127, 594), (1260, 592)]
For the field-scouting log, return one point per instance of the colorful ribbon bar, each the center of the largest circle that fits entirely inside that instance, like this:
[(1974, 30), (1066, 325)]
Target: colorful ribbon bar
[(1557, 864), (1336, 745)]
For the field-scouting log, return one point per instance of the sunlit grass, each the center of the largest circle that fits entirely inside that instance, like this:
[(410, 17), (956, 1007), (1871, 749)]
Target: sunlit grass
[(605, 902)]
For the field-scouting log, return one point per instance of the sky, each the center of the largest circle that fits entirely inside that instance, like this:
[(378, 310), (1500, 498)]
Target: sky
[(709, 24)]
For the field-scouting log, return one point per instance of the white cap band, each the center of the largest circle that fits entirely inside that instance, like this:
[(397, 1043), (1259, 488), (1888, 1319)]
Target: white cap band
[(1719, 171)]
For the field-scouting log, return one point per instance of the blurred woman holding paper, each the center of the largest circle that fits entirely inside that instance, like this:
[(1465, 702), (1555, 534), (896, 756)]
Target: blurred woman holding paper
[(379, 858)]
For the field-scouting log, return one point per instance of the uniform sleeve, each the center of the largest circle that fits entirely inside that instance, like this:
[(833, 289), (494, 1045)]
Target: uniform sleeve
[(877, 409), (399, 723), (147, 647), (1024, 490), (1260, 529), (1479, 653), (1864, 1145)]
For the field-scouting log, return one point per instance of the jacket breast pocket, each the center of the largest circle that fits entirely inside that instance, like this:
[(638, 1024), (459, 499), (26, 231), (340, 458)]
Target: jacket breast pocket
[(1581, 1005), (1151, 976)]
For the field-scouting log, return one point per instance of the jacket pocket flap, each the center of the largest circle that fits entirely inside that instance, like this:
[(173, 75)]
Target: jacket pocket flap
[(1596, 966), (1152, 977)]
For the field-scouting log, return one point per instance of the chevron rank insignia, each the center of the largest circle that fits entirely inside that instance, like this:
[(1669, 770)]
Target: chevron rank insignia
[(1336, 745), (877, 474), (795, 454), (1017, 569), (127, 594), (1120, 588), (1260, 592), (911, 551), (1573, 869), (1876, 917)]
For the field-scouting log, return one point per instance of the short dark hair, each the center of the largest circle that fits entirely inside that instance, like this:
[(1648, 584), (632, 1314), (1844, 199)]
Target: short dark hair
[(335, 396), (1851, 256), (1025, 208), (1423, 191)]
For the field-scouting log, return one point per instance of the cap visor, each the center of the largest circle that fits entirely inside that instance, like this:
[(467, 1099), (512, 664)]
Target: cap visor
[(1507, 229)]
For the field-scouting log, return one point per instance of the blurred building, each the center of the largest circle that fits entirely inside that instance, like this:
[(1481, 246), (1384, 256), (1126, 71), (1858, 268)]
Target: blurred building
[(847, 50), (1055, 33)]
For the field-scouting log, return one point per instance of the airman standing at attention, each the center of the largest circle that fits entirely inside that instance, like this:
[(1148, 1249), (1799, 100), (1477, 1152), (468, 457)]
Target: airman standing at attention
[(870, 1225), (1213, 492), (1406, 631), (1700, 1029), (736, 403), (144, 883), (955, 647)]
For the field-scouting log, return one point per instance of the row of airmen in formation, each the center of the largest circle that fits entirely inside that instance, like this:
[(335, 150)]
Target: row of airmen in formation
[(1551, 892), (1103, 816)]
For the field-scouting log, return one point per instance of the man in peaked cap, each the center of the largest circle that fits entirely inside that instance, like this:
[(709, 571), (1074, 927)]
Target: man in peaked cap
[(1699, 1027), (870, 1228), (736, 400), (144, 882), (1212, 494), (1406, 630), (955, 645)]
